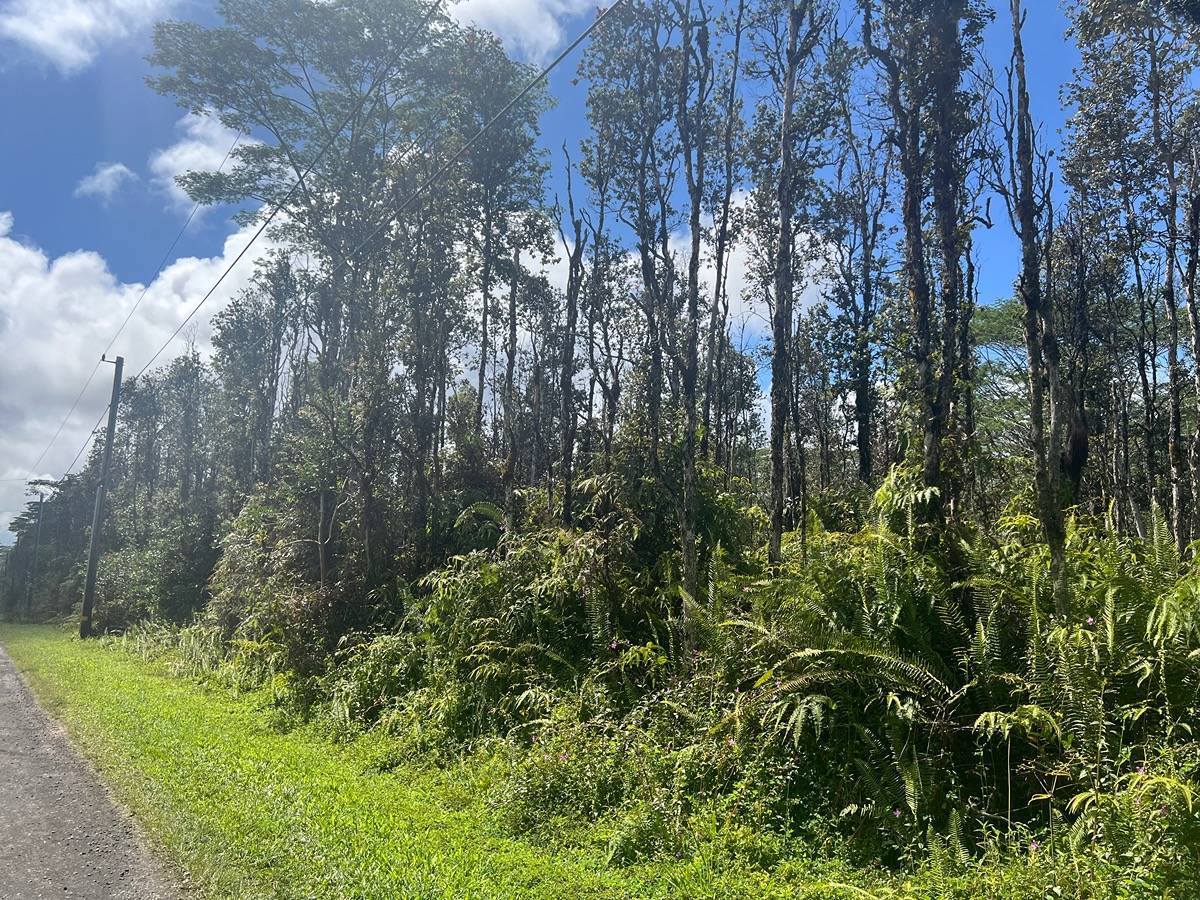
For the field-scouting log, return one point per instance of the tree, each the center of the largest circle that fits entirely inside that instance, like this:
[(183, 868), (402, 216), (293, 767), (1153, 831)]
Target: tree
[(1022, 180), (804, 22), (575, 247), (924, 51)]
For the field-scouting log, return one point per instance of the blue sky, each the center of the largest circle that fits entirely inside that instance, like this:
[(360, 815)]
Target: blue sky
[(75, 254)]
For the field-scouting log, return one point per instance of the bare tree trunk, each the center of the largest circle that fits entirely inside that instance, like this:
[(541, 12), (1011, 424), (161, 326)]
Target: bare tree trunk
[(716, 335), (782, 317), (692, 138), (509, 473), (1041, 343), (484, 346), (908, 132), (946, 188), (1193, 307), (1179, 524), (322, 542), (567, 380)]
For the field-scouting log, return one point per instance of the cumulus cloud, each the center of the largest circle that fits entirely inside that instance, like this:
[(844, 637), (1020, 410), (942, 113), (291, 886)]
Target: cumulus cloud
[(749, 315), (105, 181), (56, 315), (69, 33), (531, 28), (204, 144)]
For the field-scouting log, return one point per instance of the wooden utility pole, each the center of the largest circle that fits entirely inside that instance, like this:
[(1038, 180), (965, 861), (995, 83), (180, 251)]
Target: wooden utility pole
[(89, 587), (31, 582), (9, 552), (10, 570)]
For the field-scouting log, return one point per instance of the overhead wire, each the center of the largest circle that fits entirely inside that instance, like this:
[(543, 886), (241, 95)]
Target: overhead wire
[(424, 186), (524, 92), (224, 274), (87, 440), (277, 207), (145, 289), (391, 215)]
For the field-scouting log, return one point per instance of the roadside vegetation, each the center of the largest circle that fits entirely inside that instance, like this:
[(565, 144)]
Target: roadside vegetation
[(248, 803), (473, 496)]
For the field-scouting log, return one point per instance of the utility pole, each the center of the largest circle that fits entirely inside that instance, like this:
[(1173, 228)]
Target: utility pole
[(89, 587), (10, 569), (8, 574), (37, 543)]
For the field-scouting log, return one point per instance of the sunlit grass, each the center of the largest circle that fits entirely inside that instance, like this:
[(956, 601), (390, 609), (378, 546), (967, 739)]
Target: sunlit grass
[(247, 811)]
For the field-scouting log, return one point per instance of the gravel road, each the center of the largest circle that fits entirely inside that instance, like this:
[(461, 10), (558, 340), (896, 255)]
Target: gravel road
[(61, 834)]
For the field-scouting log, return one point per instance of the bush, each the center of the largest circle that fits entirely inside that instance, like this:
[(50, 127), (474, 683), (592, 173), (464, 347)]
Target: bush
[(877, 697), (127, 589), (368, 676)]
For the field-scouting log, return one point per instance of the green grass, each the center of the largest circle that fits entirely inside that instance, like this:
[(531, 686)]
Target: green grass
[(246, 811)]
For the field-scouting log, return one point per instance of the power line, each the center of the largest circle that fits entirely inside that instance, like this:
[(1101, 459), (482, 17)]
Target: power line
[(63, 423), (216, 284), (162, 263), (157, 271), (390, 216), (424, 186), (437, 176), (91, 433), (87, 440), (278, 206), (270, 217)]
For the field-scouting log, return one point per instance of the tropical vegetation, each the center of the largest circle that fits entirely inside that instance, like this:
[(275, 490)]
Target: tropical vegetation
[(485, 473)]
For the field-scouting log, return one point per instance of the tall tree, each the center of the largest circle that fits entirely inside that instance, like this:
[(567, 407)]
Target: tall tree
[(1022, 180), (924, 50), (694, 112)]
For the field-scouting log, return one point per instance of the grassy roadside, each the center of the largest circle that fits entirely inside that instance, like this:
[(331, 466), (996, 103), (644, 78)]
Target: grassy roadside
[(247, 811)]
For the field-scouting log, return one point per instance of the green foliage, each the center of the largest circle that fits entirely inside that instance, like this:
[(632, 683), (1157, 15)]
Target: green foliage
[(156, 582), (127, 586), (247, 811), (332, 518), (867, 697), (859, 686)]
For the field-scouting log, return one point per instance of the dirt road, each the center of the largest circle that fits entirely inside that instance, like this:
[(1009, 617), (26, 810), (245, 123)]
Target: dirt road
[(61, 835)]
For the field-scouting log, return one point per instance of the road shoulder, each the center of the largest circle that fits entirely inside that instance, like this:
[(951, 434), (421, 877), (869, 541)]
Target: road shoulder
[(61, 832)]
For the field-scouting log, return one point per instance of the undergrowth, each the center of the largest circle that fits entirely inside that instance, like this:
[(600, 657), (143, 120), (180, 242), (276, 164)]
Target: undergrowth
[(875, 701)]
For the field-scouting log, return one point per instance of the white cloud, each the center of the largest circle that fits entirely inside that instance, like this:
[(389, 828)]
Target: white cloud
[(69, 33), (531, 28), (57, 314), (749, 316), (203, 147), (105, 181)]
